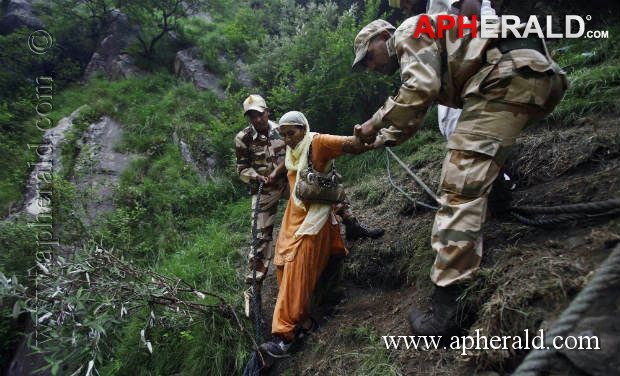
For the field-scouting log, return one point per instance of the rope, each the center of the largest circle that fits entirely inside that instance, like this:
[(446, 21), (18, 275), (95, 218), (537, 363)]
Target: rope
[(566, 212), (399, 189), (413, 175), (255, 304), (588, 207), (256, 362), (607, 275), (545, 221), (558, 219)]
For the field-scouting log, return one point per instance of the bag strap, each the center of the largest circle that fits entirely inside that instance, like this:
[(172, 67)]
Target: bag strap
[(310, 166)]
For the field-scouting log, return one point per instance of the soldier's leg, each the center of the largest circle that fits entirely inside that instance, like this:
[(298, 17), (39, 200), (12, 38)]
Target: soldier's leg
[(494, 114), (493, 117), (467, 177)]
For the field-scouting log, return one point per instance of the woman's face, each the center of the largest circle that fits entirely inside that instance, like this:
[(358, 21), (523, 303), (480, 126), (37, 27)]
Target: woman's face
[(292, 134)]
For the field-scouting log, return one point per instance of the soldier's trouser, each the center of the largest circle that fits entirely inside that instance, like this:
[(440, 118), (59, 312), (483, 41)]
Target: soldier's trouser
[(263, 253), (494, 114)]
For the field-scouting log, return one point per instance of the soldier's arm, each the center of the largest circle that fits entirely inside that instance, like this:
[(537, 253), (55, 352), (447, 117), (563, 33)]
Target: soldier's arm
[(244, 168), (279, 170), (400, 116)]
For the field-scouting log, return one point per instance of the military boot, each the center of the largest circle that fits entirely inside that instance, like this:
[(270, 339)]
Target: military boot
[(356, 230), (440, 318)]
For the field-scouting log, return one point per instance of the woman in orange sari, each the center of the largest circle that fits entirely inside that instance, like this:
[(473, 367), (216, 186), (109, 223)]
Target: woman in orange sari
[(310, 232)]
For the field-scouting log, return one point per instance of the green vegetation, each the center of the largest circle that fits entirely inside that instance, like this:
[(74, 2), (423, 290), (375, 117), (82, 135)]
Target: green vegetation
[(594, 76)]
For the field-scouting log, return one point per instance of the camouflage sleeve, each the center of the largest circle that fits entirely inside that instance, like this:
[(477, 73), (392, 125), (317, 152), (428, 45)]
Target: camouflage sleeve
[(244, 167), (420, 65)]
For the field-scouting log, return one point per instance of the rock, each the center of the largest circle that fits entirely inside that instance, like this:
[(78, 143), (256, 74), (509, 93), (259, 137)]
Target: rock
[(188, 66), (190, 160), (111, 57), (18, 13), (99, 165), (243, 75), (49, 162)]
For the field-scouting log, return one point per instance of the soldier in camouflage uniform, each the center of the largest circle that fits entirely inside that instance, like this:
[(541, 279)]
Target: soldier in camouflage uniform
[(260, 158), (501, 85)]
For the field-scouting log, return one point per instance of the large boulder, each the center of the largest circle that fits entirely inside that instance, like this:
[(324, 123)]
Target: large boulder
[(111, 57), (188, 66), (98, 167), (16, 14)]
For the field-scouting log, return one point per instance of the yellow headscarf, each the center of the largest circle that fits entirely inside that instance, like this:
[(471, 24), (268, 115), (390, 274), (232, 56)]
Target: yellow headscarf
[(297, 160)]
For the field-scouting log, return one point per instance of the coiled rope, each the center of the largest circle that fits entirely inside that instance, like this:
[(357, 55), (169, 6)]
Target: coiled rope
[(608, 274), (596, 207), (564, 213), (561, 213)]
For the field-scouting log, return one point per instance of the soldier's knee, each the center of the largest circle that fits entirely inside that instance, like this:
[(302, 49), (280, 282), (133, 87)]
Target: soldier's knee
[(467, 175)]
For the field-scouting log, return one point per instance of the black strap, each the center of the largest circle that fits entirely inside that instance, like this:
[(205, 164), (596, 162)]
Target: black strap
[(310, 159)]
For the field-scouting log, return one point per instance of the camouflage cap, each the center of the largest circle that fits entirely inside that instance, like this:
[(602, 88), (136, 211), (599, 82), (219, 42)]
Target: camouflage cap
[(254, 102), (360, 46)]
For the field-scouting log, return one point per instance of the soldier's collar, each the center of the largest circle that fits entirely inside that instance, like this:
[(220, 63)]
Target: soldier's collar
[(272, 130), (390, 46)]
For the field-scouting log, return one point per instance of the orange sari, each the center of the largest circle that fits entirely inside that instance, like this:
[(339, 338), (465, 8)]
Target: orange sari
[(301, 260)]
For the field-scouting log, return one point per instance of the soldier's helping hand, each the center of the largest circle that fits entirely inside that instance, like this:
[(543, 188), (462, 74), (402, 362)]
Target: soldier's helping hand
[(366, 133), (353, 145)]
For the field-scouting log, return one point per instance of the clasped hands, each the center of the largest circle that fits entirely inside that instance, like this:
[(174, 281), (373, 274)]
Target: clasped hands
[(365, 138)]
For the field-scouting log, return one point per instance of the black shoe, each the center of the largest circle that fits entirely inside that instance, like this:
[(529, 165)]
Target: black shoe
[(440, 319), (356, 230), (277, 348)]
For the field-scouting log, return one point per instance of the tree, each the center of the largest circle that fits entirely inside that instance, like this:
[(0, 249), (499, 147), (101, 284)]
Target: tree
[(90, 12), (156, 18)]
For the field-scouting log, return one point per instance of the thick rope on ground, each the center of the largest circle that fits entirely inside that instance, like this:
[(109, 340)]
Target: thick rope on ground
[(559, 219), (545, 221), (607, 274), (587, 207)]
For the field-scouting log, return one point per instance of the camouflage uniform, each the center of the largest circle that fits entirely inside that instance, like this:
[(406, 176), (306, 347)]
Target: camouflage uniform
[(499, 93), (259, 155)]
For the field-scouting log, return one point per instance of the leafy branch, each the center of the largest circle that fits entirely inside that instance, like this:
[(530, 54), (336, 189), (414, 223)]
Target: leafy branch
[(80, 301)]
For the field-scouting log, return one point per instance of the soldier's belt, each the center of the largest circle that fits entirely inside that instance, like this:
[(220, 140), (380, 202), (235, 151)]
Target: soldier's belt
[(531, 43)]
